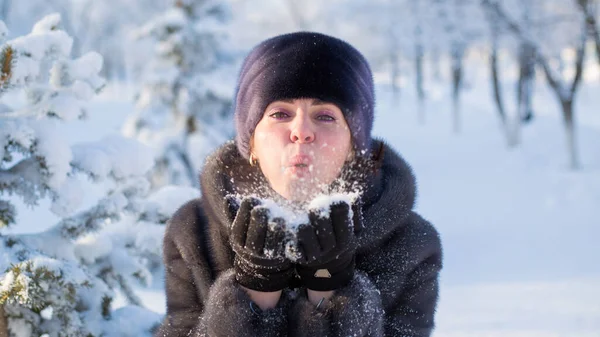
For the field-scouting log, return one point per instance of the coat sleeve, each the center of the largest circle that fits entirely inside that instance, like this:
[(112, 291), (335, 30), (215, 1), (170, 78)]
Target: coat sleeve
[(354, 310), (394, 291), (200, 300), (410, 291), (229, 313)]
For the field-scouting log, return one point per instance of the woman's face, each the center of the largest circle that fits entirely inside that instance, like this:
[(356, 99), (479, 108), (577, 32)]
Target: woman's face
[(301, 146)]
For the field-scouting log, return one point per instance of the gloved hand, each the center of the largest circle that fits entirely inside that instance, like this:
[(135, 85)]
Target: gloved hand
[(327, 246), (259, 262)]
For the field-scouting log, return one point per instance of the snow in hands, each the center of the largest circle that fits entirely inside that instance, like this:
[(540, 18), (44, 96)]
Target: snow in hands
[(289, 218)]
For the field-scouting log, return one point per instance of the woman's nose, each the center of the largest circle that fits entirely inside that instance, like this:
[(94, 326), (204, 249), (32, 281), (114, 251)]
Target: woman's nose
[(302, 131)]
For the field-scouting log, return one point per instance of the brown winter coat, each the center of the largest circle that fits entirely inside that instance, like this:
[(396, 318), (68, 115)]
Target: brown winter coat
[(394, 291)]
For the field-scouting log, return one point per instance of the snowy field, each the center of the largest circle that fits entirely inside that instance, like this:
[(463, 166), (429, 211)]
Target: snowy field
[(519, 229)]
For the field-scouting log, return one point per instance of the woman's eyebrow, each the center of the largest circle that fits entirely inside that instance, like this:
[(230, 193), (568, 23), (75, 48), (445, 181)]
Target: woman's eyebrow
[(317, 101)]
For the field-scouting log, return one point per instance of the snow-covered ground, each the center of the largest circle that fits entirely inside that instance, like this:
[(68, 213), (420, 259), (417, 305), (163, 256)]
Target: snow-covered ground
[(519, 228)]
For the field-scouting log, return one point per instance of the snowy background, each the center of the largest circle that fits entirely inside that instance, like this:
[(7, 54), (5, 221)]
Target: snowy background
[(519, 225)]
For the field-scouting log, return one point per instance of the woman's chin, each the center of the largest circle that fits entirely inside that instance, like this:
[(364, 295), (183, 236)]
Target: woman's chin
[(299, 172), (302, 190)]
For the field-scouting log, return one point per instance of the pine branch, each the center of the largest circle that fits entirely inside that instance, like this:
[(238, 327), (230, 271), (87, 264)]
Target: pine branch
[(15, 174), (132, 298), (24, 179), (115, 280), (92, 220), (25, 287), (8, 214)]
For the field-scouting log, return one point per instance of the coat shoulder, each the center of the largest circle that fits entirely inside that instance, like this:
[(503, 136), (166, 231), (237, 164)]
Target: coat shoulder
[(421, 228), (423, 239), (184, 222), (193, 233), (416, 241)]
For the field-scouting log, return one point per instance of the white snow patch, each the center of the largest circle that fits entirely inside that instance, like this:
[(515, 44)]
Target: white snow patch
[(169, 198), (47, 313)]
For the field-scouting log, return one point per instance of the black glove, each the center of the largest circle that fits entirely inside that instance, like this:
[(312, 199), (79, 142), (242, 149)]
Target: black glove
[(327, 246), (259, 262)]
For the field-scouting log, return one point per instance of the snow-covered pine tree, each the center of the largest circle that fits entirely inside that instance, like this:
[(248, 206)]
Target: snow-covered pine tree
[(184, 106), (62, 281)]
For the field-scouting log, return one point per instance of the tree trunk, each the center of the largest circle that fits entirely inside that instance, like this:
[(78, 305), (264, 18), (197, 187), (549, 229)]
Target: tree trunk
[(3, 323), (568, 116), (512, 138), (526, 81), (565, 93), (592, 25), (395, 73), (596, 36), (184, 155), (457, 76), (435, 64), (296, 14), (419, 81), (496, 83), (510, 131)]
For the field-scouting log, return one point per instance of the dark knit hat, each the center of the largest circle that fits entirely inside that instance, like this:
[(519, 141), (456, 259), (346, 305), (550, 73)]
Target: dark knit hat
[(305, 65)]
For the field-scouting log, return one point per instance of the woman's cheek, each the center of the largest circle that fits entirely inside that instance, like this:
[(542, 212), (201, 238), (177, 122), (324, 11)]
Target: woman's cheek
[(263, 136)]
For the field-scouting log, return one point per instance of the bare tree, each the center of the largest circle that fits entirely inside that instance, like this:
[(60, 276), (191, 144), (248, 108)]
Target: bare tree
[(394, 55), (565, 92), (495, 75), (526, 81), (589, 9), (419, 53), (419, 50), (451, 18), (511, 127), (526, 69), (457, 53), (296, 14)]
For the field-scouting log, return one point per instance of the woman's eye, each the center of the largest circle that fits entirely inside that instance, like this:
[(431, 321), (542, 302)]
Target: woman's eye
[(278, 115), (326, 118)]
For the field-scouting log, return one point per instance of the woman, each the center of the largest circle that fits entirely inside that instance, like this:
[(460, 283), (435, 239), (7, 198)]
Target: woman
[(364, 264)]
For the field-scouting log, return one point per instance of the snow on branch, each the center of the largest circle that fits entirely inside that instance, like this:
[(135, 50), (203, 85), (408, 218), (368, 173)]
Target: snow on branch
[(183, 108), (50, 283)]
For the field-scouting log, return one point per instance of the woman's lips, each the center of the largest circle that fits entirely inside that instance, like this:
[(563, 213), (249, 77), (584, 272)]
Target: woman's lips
[(299, 160), (299, 166)]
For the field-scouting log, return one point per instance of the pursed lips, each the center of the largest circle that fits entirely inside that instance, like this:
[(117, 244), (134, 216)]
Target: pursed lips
[(299, 161)]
